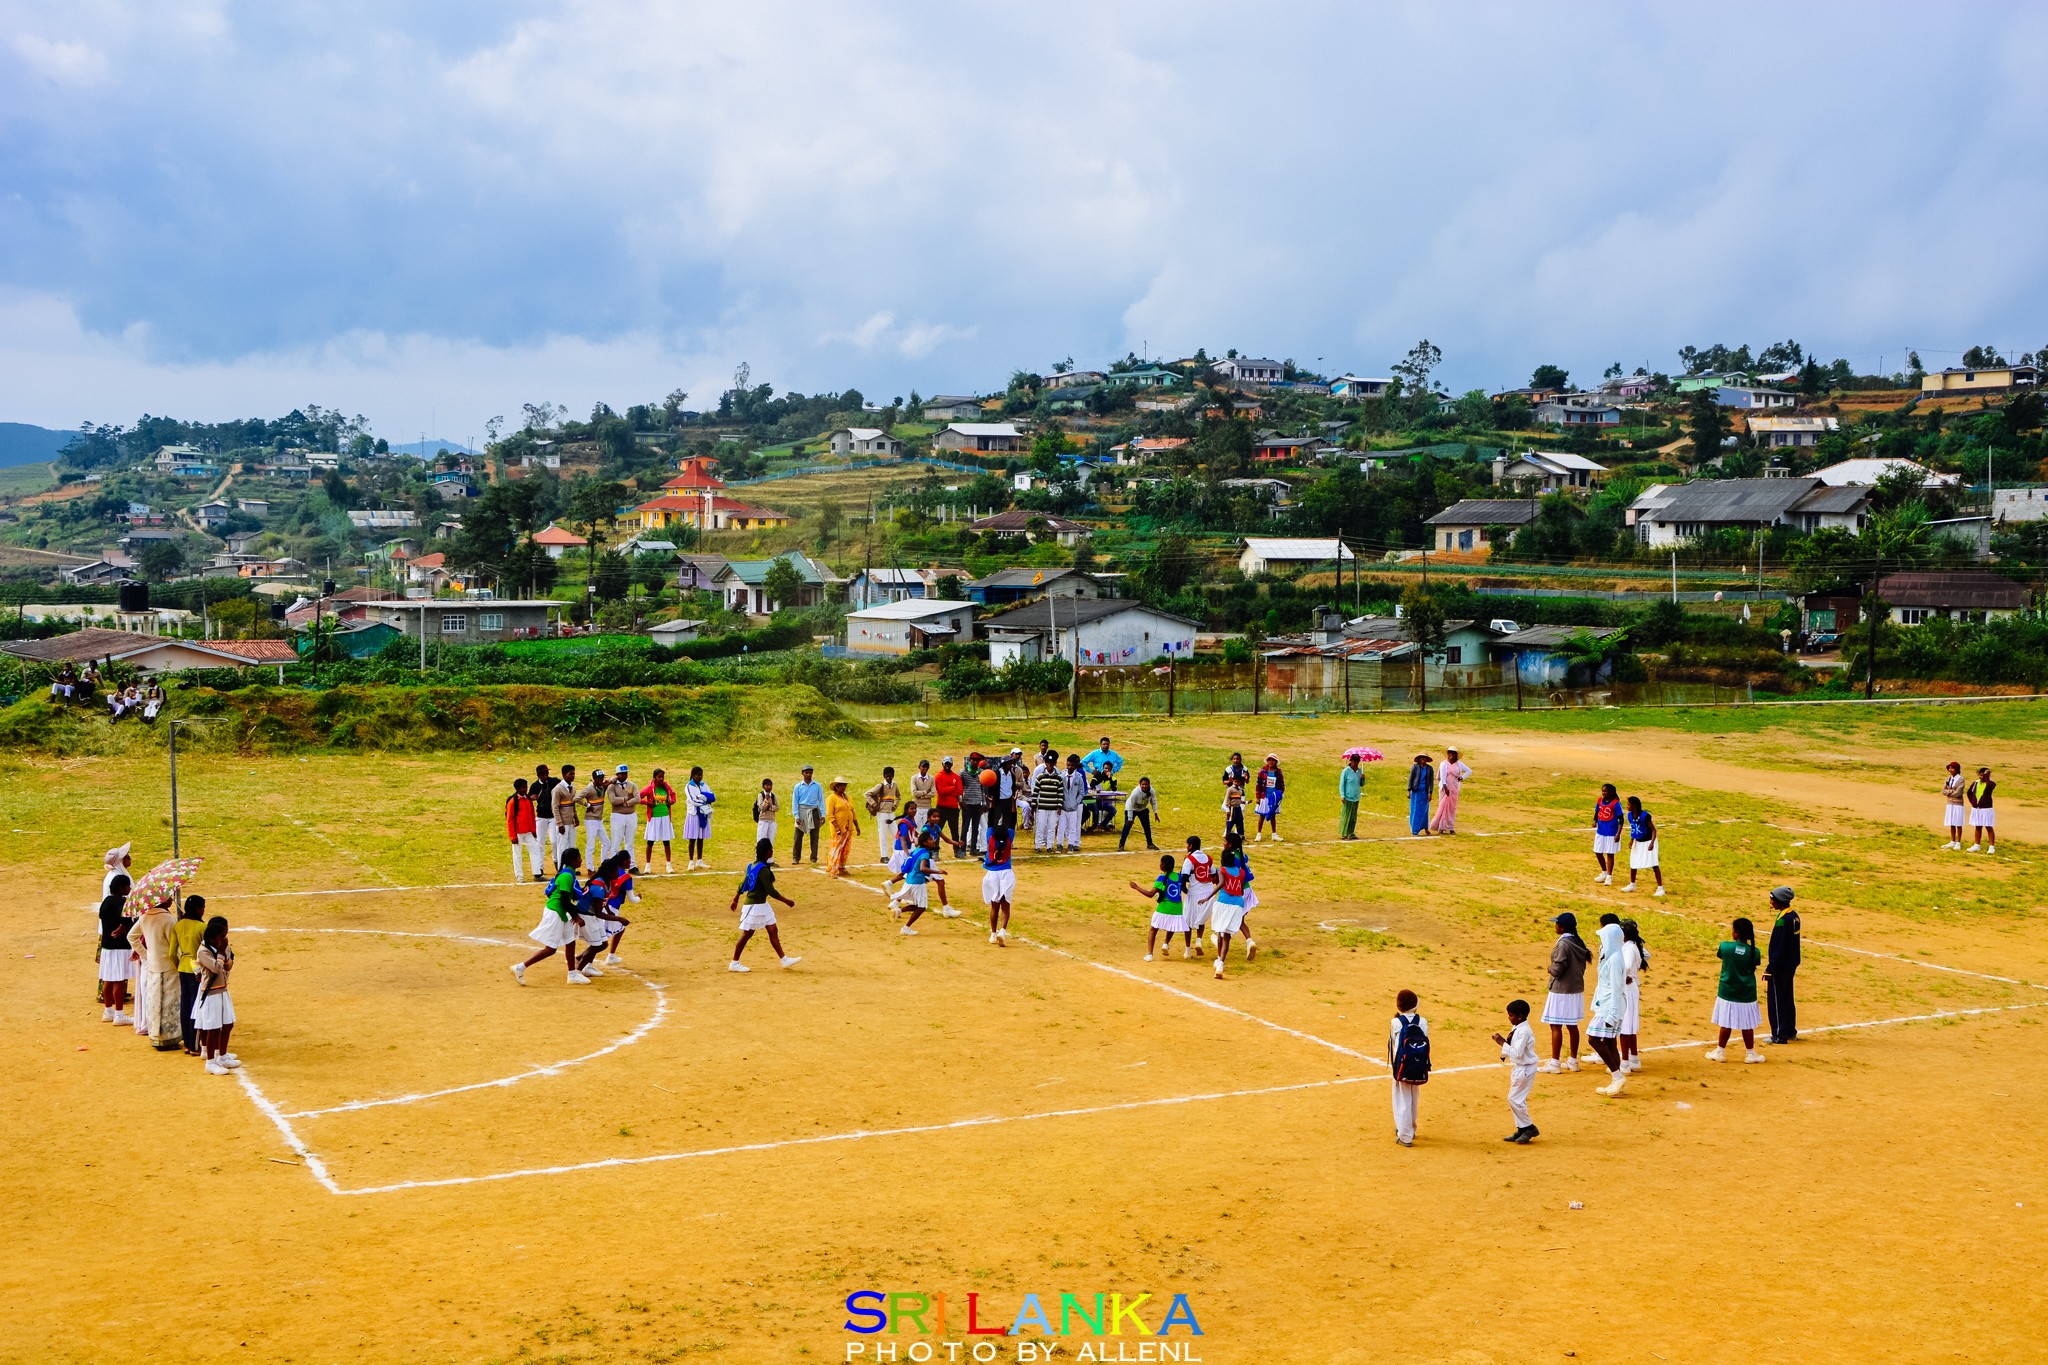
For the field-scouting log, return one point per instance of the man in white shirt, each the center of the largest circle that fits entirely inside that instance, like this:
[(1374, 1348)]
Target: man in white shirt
[(1407, 1093), (1075, 795)]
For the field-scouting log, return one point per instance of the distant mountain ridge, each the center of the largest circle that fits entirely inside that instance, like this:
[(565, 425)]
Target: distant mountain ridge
[(21, 443)]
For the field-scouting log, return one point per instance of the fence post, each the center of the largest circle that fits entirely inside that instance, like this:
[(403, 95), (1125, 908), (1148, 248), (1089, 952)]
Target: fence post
[(1515, 662), (1347, 686), (1255, 683), (1169, 687)]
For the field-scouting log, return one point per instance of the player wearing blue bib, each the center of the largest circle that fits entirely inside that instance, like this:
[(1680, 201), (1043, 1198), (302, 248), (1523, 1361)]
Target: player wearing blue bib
[(998, 883), (918, 876)]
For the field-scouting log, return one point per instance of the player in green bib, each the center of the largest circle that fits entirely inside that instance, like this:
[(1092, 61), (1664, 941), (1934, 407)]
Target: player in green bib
[(1169, 914)]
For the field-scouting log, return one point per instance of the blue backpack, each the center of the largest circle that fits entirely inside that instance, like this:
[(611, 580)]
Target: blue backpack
[(1411, 1054), (752, 878)]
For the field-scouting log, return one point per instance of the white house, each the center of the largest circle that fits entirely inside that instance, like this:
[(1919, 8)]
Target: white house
[(1666, 515), (1866, 471), (1244, 370), (1274, 554), (383, 519), (1550, 471), (913, 623), (864, 441), (1358, 386), (1108, 633), (1732, 396), (1777, 432)]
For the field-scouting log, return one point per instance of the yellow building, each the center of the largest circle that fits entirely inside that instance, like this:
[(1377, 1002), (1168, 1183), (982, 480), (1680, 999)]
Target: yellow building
[(1998, 379), (707, 511)]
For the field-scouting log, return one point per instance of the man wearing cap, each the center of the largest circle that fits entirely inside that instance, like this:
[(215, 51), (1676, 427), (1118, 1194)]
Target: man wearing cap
[(596, 843), (116, 860), (1781, 967), (946, 789), (807, 811), (624, 799)]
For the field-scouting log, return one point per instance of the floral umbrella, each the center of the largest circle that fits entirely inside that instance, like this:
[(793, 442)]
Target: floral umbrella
[(160, 884), (1364, 751)]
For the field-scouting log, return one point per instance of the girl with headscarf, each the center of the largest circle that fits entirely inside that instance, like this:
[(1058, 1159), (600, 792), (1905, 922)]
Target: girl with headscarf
[(1421, 791), (1566, 1003), (1635, 956), (1610, 1003), (1269, 787), (1450, 780)]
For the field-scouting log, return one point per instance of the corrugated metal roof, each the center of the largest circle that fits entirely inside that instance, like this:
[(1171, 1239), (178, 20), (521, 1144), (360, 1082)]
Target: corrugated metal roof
[(1486, 512), (1734, 500), (1964, 591), (909, 609), (1274, 547)]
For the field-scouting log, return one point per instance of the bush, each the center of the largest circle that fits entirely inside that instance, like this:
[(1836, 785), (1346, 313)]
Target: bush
[(968, 676)]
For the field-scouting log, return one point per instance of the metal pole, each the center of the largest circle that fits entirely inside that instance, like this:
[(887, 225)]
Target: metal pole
[(174, 788), (1674, 575)]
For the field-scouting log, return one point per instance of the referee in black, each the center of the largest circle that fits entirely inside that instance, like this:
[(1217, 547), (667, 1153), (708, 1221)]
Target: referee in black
[(1781, 967)]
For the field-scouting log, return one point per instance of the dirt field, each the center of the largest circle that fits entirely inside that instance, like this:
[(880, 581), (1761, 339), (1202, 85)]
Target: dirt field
[(422, 1161)]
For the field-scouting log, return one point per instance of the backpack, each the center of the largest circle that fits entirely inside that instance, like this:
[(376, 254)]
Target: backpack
[(753, 876), (1411, 1053)]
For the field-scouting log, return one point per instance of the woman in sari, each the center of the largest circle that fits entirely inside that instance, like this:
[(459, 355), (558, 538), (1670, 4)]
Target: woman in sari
[(839, 814), (1450, 778), (1421, 789)]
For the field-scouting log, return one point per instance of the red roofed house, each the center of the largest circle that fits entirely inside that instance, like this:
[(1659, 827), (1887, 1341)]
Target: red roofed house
[(707, 510), (557, 541), (696, 474)]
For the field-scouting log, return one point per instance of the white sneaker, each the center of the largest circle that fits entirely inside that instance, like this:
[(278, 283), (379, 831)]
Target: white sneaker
[(121, 1018), (948, 912), (1571, 1064), (1148, 957), (1626, 890), (907, 932), (1992, 849), (1658, 892), (1276, 837), (231, 1061), (519, 972), (1260, 837), (612, 959), (791, 961), (1632, 1064), (1973, 849), (592, 969), (1951, 844), (1187, 951), (1251, 949), (1003, 934), (738, 967), (1550, 1067), (993, 939), (578, 979), (216, 1069), (107, 1015), (1219, 968), (1754, 1056), (1717, 1054)]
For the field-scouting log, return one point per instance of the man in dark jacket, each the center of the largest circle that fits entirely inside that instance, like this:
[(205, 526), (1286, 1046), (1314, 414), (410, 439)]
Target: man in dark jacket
[(1781, 967)]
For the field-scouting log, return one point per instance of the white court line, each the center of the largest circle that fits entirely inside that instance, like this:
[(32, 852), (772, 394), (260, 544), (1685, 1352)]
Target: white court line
[(1203, 1000), (647, 1026), (955, 1125), (1170, 990)]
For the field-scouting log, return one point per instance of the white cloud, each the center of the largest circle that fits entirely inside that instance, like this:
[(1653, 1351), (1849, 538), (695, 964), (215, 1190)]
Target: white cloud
[(405, 202)]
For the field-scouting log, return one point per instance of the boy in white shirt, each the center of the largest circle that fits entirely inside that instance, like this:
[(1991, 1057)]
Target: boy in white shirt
[(1518, 1050)]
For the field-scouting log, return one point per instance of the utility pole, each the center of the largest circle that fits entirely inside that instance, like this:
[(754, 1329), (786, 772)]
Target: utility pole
[(174, 786), (1674, 575), (1870, 610)]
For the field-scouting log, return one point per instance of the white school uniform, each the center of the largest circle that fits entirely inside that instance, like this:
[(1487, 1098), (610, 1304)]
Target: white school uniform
[(1642, 855), (760, 916), (1407, 1098), (1607, 843), (115, 964), (544, 832), (215, 1011), (1632, 1008), (553, 931), (1520, 1055), (1737, 1014), (596, 842), (1201, 896), (999, 884), (623, 826), (531, 843)]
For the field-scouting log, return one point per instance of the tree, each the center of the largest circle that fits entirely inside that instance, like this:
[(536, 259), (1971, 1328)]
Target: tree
[(1169, 568), (614, 576), (829, 517), (1046, 448), (1425, 619), (1982, 358), (1549, 377), (783, 584), (161, 560), (593, 510), (337, 490), (1709, 425), (1613, 371), (1415, 369), (323, 640)]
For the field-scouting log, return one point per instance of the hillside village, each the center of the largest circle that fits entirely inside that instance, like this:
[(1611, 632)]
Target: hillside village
[(1205, 506)]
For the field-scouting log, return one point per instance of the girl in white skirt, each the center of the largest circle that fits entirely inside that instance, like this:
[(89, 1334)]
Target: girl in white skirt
[(1954, 813), (1606, 833), (1200, 881), (213, 1013), (1642, 845), (757, 888), (1170, 912), (1566, 1003), (1234, 900), (1983, 819), (1610, 1001), (998, 883), (1735, 1000), (560, 926), (766, 807), (115, 954), (658, 799), (1635, 956), (597, 905)]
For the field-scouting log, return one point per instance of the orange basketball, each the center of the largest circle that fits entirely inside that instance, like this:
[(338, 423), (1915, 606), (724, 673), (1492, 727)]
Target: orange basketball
[(988, 777)]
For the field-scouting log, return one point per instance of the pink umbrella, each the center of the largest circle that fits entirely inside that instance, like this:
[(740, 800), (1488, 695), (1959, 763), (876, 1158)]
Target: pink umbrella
[(1366, 752)]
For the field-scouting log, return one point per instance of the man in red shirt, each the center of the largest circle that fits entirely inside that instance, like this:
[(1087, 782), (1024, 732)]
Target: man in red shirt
[(948, 784)]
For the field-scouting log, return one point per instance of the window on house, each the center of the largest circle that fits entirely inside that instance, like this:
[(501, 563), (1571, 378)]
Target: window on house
[(454, 622), (1912, 616), (1454, 654), (491, 620)]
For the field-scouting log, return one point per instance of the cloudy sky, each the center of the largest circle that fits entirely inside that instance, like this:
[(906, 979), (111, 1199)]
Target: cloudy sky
[(433, 213)]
